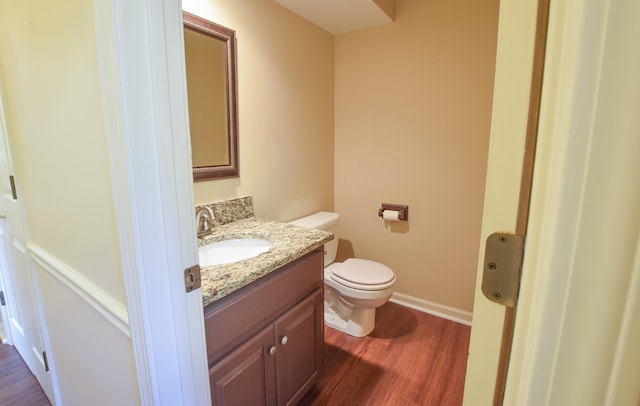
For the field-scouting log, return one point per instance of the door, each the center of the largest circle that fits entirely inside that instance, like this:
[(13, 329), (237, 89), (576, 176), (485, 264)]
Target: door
[(5, 337), (299, 338), (519, 65), (22, 320), (247, 375)]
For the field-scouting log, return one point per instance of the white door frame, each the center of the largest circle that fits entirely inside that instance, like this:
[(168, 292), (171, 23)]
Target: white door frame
[(578, 326), (4, 315), (5, 279), (145, 103), (510, 118), (578, 322)]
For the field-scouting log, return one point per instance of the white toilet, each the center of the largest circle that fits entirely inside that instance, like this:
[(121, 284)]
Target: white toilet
[(353, 288)]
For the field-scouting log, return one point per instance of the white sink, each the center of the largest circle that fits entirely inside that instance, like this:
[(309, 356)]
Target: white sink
[(228, 251)]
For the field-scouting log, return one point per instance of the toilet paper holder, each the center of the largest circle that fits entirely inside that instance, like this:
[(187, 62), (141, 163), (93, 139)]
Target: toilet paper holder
[(403, 210)]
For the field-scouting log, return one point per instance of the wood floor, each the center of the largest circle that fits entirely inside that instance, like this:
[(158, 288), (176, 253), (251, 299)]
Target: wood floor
[(18, 387), (411, 358)]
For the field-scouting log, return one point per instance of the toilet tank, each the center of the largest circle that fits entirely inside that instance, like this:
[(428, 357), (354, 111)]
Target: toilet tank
[(326, 221)]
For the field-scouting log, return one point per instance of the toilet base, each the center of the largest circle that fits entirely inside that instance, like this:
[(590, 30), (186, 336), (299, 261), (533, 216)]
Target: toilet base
[(361, 322)]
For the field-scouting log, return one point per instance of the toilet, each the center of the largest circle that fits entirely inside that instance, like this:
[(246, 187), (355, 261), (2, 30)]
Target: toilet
[(353, 288)]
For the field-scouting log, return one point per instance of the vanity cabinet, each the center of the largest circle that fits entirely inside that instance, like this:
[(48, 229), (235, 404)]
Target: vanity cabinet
[(264, 341)]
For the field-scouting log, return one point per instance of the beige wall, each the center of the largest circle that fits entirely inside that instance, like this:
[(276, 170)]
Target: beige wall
[(412, 113), (413, 107), (50, 74), (285, 109)]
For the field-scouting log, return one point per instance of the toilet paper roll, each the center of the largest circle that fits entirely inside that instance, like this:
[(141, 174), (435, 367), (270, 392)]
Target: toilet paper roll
[(391, 215)]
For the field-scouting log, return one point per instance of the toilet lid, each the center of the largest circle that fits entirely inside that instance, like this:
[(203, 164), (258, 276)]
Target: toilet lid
[(363, 274)]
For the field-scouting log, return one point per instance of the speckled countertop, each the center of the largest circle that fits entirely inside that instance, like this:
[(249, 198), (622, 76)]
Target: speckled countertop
[(289, 243)]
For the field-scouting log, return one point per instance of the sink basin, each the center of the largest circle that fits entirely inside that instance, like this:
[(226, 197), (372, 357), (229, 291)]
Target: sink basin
[(228, 251)]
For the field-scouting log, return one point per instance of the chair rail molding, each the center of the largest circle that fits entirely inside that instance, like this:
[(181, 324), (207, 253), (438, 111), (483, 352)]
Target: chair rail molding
[(112, 310)]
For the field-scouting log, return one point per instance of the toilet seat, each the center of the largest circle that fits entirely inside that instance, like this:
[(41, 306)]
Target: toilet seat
[(363, 274)]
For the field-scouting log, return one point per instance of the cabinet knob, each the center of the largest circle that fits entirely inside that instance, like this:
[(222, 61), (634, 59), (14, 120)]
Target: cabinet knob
[(272, 350), (284, 340)]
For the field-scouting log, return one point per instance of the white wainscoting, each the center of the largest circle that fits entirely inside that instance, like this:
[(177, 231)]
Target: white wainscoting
[(89, 341), (112, 310), (436, 309)]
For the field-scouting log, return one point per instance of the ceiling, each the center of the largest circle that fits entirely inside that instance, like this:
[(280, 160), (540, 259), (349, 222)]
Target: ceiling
[(341, 16)]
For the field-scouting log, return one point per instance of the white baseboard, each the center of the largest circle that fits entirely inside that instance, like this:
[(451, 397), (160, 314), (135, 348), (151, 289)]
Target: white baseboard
[(105, 304), (445, 312)]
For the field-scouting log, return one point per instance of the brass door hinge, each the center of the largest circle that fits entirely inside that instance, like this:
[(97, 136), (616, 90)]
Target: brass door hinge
[(502, 265), (192, 278)]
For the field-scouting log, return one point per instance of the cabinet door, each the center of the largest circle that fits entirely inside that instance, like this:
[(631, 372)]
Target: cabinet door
[(247, 375), (299, 340)]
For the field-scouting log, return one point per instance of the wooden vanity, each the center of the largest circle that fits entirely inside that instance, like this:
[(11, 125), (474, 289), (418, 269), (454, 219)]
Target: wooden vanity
[(264, 341)]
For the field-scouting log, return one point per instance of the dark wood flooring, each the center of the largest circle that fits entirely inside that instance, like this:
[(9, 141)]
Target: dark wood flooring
[(18, 386), (410, 358)]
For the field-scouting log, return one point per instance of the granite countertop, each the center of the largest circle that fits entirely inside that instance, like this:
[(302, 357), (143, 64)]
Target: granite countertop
[(289, 243)]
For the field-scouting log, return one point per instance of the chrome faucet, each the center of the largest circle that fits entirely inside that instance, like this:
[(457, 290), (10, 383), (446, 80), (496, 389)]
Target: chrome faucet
[(204, 220)]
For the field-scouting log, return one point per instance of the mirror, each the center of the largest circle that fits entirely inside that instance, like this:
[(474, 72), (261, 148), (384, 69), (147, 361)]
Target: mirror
[(210, 57)]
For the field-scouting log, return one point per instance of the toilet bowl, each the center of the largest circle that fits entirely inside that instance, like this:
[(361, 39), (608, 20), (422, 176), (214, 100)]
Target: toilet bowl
[(353, 288)]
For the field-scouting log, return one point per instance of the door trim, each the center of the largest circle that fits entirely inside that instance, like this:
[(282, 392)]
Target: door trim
[(141, 57), (588, 128), (509, 121), (526, 182)]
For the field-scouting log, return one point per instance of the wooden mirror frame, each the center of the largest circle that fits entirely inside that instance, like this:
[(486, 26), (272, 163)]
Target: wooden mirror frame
[(228, 36)]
